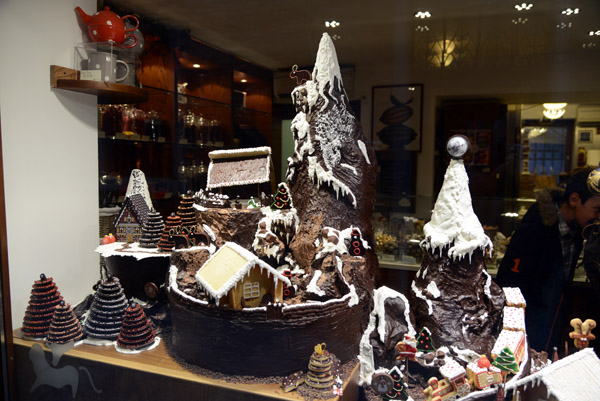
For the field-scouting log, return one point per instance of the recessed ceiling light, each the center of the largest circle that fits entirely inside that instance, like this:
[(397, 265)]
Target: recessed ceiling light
[(524, 6), (519, 21), (570, 11), (562, 25), (332, 24), (595, 33), (196, 65), (243, 80), (422, 28), (423, 14)]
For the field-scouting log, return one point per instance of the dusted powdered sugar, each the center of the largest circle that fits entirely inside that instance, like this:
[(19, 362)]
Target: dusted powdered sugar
[(453, 222)]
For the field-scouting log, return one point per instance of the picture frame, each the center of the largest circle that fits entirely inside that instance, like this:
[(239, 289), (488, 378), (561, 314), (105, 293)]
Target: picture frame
[(396, 116), (585, 135)]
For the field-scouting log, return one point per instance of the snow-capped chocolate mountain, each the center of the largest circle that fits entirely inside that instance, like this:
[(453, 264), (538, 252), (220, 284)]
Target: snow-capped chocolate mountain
[(452, 294), (332, 172)]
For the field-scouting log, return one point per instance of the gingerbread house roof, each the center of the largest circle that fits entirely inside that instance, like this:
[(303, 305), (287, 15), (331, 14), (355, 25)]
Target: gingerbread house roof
[(452, 370), (235, 167), (226, 267), (138, 206), (575, 377)]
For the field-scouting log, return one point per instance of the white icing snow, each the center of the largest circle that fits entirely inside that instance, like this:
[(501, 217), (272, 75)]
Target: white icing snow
[(488, 285), (313, 287), (453, 221), (349, 167), (433, 289), (326, 69), (363, 149), (318, 173), (210, 232), (134, 250), (137, 185), (420, 295)]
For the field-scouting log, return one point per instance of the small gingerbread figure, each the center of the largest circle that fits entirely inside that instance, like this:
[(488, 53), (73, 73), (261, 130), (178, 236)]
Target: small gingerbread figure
[(582, 332)]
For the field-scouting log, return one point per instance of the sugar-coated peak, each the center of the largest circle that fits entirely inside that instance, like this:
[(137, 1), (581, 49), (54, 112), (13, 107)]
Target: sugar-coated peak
[(453, 222)]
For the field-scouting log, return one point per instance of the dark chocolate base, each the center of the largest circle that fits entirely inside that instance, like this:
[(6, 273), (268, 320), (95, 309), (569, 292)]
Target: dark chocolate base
[(134, 274)]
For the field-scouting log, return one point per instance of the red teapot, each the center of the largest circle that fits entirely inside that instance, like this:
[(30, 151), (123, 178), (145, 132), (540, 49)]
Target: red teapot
[(106, 26)]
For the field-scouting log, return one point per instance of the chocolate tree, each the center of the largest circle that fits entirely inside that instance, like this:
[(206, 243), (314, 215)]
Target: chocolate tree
[(65, 326), (185, 211), (398, 390), (136, 331), (42, 301), (107, 310), (172, 222), (152, 230), (320, 367)]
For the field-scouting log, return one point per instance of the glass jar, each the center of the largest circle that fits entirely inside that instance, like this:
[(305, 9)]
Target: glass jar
[(112, 120), (202, 128), (189, 127), (154, 126)]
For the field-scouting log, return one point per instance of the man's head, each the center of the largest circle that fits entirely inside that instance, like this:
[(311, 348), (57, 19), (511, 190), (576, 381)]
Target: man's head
[(584, 206)]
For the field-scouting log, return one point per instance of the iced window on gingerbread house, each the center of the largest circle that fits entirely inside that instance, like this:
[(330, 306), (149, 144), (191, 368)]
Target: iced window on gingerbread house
[(251, 290)]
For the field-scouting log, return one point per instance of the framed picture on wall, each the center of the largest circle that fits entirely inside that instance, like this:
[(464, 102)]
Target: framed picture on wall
[(585, 135), (396, 116)]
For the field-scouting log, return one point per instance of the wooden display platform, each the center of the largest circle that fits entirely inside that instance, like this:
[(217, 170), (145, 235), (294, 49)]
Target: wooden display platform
[(147, 376)]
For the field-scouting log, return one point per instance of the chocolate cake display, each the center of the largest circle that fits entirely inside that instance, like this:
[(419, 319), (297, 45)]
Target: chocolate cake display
[(105, 316), (301, 243), (65, 326), (136, 332), (43, 300)]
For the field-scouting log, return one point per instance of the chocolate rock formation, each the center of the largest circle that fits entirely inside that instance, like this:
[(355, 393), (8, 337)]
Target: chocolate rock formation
[(453, 295), (107, 310), (65, 326), (38, 316), (332, 172)]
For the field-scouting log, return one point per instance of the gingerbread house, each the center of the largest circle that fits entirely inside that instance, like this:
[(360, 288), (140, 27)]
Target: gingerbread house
[(575, 377), (238, 278), (241, 167), (129, 221), (483, 377)]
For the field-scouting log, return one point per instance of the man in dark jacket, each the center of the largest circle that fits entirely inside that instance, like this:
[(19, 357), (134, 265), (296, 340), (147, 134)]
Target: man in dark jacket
[(543, 252)]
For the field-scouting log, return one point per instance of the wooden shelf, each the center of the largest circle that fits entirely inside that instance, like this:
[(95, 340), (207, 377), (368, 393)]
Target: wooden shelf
[(68, 79), (150, 375)]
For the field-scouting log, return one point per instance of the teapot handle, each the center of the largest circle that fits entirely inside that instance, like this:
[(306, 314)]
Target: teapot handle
[(137, 22), (134, 41)]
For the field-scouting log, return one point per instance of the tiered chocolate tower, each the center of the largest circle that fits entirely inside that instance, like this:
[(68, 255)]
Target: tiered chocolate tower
[(136, 332), (172, 222), (38, 316), (107, 310), (185, 211), (152, 230), (65, 326), (320, 368)]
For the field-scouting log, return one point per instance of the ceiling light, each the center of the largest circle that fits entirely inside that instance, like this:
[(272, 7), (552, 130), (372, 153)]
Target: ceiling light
[(595, 33), (519, 21), (422, 28), (335, 37), (553, 111), (332, 24), (569, 11), (243, 80), (523, 6), (196, 65), (562, 25), (590, 44), (423, 14)]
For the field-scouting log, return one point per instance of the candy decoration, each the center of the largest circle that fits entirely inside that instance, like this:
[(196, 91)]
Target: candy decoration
[(398, 390), (106, 312), (424, 341), (282, 198), (457, 146), (356, 247), (165, 243), (582, 332), (38, 316), (136, 332), (506, 362), (320, 368)]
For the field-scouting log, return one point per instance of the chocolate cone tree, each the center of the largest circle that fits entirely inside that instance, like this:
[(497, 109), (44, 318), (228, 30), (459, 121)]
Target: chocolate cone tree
[(172, 222), (320, 366), (107, 310), (65, 326), (136, 331), (152, 230), (42, 302), (185, 211)]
